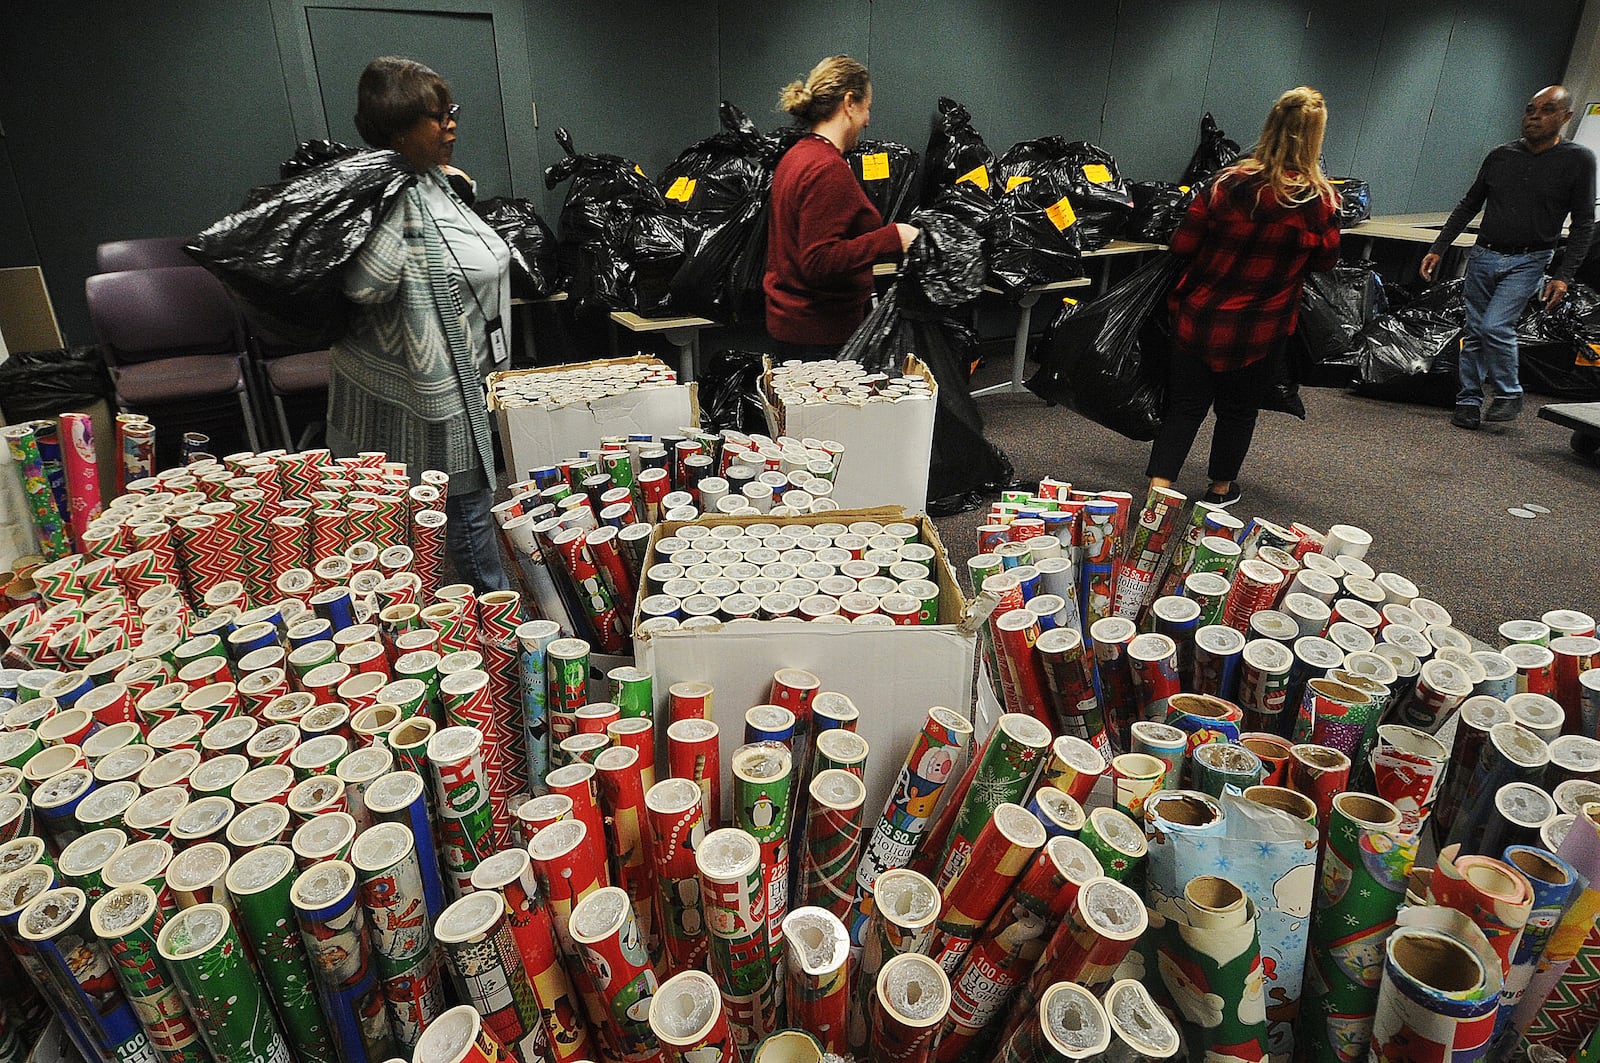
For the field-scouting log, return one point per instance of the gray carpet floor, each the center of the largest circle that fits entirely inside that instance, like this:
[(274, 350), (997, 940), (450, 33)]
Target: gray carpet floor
[(1434, 497)]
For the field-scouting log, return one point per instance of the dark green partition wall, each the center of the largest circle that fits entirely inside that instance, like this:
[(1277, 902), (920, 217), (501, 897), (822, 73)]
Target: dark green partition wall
[(151, 118)]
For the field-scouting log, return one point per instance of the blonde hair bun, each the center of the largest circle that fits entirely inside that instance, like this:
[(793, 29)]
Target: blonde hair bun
[(795, 99), (824, 89)]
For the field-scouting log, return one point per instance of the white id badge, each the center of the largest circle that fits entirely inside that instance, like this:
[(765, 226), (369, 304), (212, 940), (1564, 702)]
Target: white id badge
[(498, 347)]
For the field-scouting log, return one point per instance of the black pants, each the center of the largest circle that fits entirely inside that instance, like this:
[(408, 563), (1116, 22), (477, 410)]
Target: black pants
[(1194, 388)]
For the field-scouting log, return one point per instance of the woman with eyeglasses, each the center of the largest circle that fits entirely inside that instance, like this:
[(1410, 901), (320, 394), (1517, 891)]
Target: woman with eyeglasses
[(431, 297)]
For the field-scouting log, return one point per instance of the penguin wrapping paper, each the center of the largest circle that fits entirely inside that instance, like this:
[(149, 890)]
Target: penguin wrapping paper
[(1271, 857)]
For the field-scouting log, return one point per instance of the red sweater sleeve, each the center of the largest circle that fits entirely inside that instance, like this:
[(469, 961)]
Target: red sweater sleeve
[(825, 252)]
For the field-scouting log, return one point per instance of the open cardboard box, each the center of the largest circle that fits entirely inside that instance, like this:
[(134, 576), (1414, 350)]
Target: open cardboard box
[(535, 436), (888, 446), (894, 675)]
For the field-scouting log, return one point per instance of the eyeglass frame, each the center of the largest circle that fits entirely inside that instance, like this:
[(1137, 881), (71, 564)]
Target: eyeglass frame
[(449, 114)]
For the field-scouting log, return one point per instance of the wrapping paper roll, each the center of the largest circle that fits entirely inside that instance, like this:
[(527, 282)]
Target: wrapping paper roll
[(401, 797), (677, 826), (568, 869), (128, 921), (817, 990), (687, 1019), (259, 883), (1158, 521), (460, 1035), (534, 638), (832, 847), (1364, 871), (1487, 891), (1005, 846), (1165, 743), (1119, 701), (1135, 777), (1209, 960), (82, 472), (208, 962), (909, 1004), (1068, 668), (1140, 1030), (1011, 943), (1513, 754), (1561, 1003), (1073, 767), (510, 873), (1553, 883), (930, 763), (334, 932), (469, 702), (733, 893), (386, 861), (763, 778), (1016, 634), (1321, 774), (1408, 767), (694, 753), (576, 781), (461, 789), (1217, 766), (1117, 843), (47, 518), (489, 973), (622, 796), (903, 909), (1005, 771), (613, 952), (1069, 1024), (54, 931), (1441, 986), (567, 689)]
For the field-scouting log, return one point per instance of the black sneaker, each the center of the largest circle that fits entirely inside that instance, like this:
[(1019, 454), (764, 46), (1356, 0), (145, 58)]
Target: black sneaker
[(1466, 416), (1505, 408), (1225, 499)]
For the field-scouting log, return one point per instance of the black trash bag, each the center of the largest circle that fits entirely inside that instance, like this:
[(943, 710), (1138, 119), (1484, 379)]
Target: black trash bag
[(956, 153), (44, 384), (1355, 200), (607, 193), (1108, 359), (1214, 152), (283, 254), (1283, 386), (730, 393), (1084, 173), (1158, 208), (943, 270), (312, 153), (535, 266), (1334, 305), (653, 246), (888, 175), (722, 171), (1558, 350), (1411, 358), (722, 185)]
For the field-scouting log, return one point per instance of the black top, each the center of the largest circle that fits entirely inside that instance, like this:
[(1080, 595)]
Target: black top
[(1529, 197)]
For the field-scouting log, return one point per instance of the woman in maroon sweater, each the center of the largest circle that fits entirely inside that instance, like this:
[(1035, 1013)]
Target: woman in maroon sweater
[(824, 234)]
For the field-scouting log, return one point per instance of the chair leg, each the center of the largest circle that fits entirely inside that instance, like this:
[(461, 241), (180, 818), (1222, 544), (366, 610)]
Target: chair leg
[(283, 422), (249, 420)]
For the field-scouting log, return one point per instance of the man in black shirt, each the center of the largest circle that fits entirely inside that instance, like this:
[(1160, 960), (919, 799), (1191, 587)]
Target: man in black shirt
[(1526, 188)]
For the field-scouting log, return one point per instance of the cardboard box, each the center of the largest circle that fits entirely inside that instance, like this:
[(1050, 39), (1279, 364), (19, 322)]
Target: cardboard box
[(532, 436), (888, 446), (894, 675)]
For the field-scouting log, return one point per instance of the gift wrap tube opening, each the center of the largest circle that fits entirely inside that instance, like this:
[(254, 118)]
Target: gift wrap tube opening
[(1074, 1023), (451, 1037), (684, 1009), (914, 990), (907, 898), (1371, 812), (1188, 811), (1296, 804), (1437, 961)]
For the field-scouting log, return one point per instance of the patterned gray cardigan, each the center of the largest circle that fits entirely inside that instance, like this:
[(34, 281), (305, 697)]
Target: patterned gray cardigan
[(404, 378)]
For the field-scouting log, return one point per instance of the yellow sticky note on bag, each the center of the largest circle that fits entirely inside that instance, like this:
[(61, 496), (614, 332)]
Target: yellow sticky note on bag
[(682, 189), (639, 171), (978, 175), (1016, 179), (1097, 173), (1590, 358), (1061, 214), (875, 167)]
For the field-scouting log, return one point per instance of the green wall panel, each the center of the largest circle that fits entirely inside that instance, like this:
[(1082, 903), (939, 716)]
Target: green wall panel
[(1160, 66), (122, 120), (762, 47), (1338, 56), (1255, 58)]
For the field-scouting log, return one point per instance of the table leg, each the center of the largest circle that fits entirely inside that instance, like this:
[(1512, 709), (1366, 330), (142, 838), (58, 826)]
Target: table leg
[(1019, 348), (687, 343), (525, 313)]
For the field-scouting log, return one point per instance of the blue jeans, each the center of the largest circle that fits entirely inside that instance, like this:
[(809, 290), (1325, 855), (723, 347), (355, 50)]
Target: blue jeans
[(1497, 289), (471, 540)]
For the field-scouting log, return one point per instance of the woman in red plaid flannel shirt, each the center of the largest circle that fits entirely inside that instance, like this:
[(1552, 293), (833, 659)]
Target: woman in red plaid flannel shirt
[(1249, 238)]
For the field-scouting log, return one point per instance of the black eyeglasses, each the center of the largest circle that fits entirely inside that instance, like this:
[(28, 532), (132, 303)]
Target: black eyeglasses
[(449, 114)]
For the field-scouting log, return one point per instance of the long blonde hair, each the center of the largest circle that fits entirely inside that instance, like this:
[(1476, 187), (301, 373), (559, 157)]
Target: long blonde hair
[(817, 97), (1288, 155)]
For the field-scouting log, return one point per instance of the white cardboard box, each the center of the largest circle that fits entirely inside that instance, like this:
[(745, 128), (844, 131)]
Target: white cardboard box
[(532, 436), (887, 445), (894, 675)]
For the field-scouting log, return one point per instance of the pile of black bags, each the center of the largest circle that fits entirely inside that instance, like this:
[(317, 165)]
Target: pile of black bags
[(597, 227), (1214, 152), (1158, 208)]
